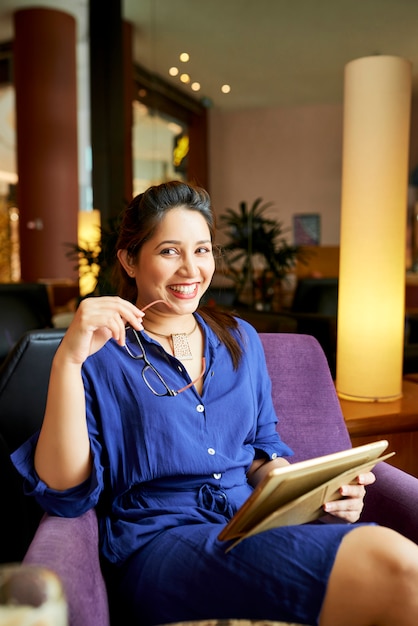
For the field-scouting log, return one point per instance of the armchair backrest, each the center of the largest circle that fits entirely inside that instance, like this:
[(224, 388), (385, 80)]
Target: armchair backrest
[(310, 417)]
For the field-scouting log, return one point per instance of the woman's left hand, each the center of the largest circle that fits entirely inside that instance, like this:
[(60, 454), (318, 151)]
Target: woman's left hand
[(350, 506)]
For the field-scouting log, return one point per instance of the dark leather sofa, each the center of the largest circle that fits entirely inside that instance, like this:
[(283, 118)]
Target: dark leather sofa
[(23, 387), (23, 306)]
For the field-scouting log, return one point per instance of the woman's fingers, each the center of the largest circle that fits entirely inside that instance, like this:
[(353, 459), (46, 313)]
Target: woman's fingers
[(98, 319), (350, 505)]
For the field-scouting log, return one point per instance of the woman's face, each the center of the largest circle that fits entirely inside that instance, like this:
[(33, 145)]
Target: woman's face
[(176, 264)]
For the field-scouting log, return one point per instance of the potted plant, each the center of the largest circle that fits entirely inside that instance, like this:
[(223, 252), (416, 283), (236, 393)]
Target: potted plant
[(98, 260), (256, 253)]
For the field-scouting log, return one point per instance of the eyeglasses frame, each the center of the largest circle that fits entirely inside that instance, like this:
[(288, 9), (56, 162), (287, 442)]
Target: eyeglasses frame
[(148, 364)]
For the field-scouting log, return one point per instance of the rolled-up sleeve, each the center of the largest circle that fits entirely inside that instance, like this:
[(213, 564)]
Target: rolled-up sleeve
[(66, 503), (271, 447)]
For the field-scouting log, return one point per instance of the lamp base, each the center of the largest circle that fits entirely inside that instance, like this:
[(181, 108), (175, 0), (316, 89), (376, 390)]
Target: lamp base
[(352, 398)]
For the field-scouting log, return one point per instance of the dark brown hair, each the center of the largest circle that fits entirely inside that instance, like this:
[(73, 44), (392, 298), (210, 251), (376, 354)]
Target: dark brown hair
[(139, 222)]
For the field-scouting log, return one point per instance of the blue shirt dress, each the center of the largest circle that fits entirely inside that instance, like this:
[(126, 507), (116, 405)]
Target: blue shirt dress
[(170, 471)]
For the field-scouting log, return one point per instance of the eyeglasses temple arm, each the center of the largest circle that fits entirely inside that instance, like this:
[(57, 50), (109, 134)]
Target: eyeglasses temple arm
[(196, 379)]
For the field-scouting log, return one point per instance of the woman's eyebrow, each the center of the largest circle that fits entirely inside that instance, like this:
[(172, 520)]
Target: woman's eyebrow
[(179, 242)]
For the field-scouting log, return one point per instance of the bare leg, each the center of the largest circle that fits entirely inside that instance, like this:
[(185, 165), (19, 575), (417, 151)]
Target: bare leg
[(374, 581)]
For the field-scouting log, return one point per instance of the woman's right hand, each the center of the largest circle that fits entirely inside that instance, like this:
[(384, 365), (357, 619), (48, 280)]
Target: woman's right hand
[(96, 320)]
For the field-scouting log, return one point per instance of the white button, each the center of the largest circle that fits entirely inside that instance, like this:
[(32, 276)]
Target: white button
[(200, 408), (274, 455), (211, 451), (217, 476)]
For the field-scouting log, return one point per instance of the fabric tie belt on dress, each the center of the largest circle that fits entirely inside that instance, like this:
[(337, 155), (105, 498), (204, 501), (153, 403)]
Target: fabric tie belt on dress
[(171, 492), (214, 499)]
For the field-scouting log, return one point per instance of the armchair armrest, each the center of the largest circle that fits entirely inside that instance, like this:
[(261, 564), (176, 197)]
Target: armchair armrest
[(69, 547), (393, 501)]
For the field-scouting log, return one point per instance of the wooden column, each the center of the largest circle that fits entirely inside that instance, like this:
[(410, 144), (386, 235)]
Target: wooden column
[(110, 63), (46, 132), (128, 98)]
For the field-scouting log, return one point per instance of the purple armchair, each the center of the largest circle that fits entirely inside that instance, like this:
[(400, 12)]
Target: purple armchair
[(310, 421)]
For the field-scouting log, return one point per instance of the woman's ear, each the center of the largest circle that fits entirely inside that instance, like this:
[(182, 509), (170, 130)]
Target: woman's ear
[(126, 262)]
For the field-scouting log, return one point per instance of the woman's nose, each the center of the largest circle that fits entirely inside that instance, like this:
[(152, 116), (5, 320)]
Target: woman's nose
[(189, 265)]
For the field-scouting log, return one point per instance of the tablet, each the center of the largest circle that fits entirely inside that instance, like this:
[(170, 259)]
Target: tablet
[(295, 493)]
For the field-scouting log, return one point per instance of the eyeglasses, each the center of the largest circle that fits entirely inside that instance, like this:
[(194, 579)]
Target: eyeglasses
[(150, 375)]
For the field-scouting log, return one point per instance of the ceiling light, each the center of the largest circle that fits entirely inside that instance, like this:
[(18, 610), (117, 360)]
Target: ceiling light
[(226, 88), (184, 57), (195, 86), (185, 78), (173, 71)]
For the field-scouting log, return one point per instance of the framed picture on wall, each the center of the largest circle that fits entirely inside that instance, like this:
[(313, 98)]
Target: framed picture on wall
[(307, 229)]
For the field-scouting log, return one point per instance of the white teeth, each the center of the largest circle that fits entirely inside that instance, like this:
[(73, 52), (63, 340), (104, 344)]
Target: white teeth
[(186, 289)]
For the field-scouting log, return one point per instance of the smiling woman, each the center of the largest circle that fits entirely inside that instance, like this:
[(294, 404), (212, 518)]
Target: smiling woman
[(172, 454)]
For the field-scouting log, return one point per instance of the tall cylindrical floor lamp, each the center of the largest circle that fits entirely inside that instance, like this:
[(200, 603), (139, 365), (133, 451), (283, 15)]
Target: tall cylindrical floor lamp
[(371, 298)]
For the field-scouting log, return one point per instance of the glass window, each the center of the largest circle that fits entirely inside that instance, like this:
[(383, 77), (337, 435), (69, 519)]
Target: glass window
[(160, 145)]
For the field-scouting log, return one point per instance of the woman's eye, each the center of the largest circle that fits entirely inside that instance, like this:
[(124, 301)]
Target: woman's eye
[(168, 251), (203, 250)]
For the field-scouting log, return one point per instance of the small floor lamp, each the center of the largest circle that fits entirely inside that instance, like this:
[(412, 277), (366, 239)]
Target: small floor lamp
[(371, 299)]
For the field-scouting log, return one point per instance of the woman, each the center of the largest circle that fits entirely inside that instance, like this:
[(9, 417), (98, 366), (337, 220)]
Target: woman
[(160, 415)]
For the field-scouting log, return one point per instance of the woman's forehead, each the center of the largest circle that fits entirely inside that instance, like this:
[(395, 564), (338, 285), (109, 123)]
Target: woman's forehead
[(182, 219)]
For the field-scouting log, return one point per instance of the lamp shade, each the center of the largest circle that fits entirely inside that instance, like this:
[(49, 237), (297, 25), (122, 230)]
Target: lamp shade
[(371, 298)]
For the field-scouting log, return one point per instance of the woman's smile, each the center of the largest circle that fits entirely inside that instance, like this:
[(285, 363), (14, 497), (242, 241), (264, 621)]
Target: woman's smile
[(185, 290)]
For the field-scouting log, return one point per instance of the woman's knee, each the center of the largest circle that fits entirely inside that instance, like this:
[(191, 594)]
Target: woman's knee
[(372, 566)]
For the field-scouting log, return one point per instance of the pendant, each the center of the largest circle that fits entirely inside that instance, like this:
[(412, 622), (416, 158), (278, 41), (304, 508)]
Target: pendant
[(181, 346)]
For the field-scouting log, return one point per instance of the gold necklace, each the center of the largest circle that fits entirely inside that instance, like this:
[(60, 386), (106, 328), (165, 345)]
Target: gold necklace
[(179, 342)]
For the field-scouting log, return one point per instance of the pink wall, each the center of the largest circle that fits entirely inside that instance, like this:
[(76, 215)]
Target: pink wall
[(290, 156)]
